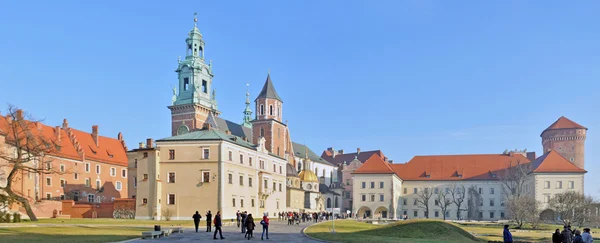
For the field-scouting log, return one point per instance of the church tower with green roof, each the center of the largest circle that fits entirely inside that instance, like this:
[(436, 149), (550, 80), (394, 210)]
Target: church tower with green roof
[(193, 100)]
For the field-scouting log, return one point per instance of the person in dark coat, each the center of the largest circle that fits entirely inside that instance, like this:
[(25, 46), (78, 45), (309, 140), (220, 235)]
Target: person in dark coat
[(507, 235), (238, 218), (557, 237), (244, 216), (577, 238), (249, 226), (208, 221), (196, 218), (567, 235), (218, 225)]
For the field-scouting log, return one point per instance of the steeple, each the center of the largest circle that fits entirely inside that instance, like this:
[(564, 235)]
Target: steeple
[(268, 90), (247, 111)]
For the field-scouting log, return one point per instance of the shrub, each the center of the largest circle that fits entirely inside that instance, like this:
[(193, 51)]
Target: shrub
[(124, 213), (167, 214)]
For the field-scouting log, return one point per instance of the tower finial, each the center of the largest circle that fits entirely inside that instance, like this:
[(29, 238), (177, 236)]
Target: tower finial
[(247, 111), (269, 71), (195, 19)]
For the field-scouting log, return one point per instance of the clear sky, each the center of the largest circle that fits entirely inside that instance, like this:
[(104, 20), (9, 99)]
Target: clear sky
[(407, 77)]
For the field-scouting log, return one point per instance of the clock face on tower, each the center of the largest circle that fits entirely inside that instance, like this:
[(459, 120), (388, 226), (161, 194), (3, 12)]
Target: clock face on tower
[(183, 129)]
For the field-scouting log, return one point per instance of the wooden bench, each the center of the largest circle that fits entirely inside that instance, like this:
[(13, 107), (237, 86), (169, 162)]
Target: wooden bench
[(151, 234), (177, 230), (167, 232)]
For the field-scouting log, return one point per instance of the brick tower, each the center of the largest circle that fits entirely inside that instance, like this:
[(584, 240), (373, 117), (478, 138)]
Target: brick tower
[(567, 138), (268, 122), (194, 103)]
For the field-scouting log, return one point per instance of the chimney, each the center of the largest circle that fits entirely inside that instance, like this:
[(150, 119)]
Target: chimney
[(341, 151), (65, 124), (385, 159), (391, 161), (120, 136), (358, 151), (141, 145), (531, 156), (149, 143), (57, 132), (95, 135), (228, 132), (19, 114), (511, 154)]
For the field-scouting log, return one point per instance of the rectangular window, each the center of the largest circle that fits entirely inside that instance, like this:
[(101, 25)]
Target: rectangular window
[(48, 181), (415, 202), (135, 182), (97, 169), (502, 215), (274, 168), (98, 184), (363, 185), (145, 176), (242, 203), (230, 156), (233, 202), (252, 202), (262, 164), (491, 215), (62, 168), (62, 196), (480, 190), (171, 199), (230, 179), (91, 198), (381, 197), (250, 181), (436, 214), (372, 184), (571, 184), (48, 196), (480, 215), (48, 165), (547, 184), (436, 202), (405, 190), (404, 201), (123, 173), (241, 180), (186, 84), (274, 186), (76, 176), (347, 182), (363, 197), (265, 184), (559, 185), (171, 177), (63, 183), (113, 171), (205, 86), (205, 176), (87, 182), (546, 198), (206, 154), (436, 190), (145, 154), (250, 161), (416, 214), (280, 187), (492, 203), (372, 198), (381, 184), (171, 154), (492, 190), (135, 164), (280, 170), (415, 190), (87, 167), (119, 186)]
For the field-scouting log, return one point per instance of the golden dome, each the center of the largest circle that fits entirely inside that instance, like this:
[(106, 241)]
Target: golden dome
[(307, 175)]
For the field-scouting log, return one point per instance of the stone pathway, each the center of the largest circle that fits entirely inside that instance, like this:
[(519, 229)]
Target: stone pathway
[(279, 231)]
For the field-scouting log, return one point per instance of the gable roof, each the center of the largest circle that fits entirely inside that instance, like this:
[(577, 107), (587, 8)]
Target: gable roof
[(299, 151), (341, 158), (75, 144), (564, 123), (209, 135), (234, 128), (554, 162), (375, 165), (268, 90)]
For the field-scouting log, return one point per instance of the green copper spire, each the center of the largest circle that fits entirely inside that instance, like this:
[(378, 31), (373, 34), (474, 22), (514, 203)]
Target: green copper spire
[(247, 111)]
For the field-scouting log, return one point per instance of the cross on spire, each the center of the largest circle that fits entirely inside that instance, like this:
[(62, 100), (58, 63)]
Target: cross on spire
[(195, 19)]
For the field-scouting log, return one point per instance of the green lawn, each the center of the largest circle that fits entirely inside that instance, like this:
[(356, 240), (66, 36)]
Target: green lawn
[(68, 234), (420, 231)]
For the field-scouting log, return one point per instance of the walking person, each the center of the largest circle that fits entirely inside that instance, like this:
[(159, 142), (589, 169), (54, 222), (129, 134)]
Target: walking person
[(238, 217), (265, 225), (208, 221), (507, 235), (566, 234), (587, 236), (557, 237), (577, 238), (218, 225), (196, 218), (244, 216), (249, 226)]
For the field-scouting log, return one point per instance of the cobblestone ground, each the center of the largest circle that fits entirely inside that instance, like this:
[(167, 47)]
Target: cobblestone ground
[(279, 231)]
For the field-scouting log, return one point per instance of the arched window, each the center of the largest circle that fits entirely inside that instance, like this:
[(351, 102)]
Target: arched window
[(271, 110), (328, 202), (262, 109), (262, 132), (335, 202), (299, 166)]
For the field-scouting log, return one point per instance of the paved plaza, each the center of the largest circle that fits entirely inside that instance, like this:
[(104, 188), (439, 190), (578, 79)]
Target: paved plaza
[(279, 231)]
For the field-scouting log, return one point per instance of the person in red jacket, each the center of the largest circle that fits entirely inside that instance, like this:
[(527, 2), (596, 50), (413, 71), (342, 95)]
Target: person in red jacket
[(265, 225)]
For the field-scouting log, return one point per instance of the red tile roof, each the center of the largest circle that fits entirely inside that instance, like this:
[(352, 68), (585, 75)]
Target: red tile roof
[(564, 123), (75, 144), (554, 162), (446, 167), (374, 164), (340, 158)]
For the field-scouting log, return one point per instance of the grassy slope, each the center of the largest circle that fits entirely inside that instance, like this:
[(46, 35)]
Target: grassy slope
[(68, 234), (425, 231)]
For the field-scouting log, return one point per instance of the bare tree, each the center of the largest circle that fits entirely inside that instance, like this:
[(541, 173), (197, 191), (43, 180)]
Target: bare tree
[(473, 203), (572, 207), (458, 197), (443, 201), (423, 197), (514, 178), (524, 209), (26, 152)]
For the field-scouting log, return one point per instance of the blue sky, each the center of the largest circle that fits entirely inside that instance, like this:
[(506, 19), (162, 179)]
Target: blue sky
[(407, 77)]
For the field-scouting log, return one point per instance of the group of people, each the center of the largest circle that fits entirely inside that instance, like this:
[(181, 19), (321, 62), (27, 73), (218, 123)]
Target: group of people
[(572, 236), (295, 218), (566, 236), (244, 220)]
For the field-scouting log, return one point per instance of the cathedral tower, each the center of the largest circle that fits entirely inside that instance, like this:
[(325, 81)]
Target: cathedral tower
[(268, 122), (192, 100), (567, 138)]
